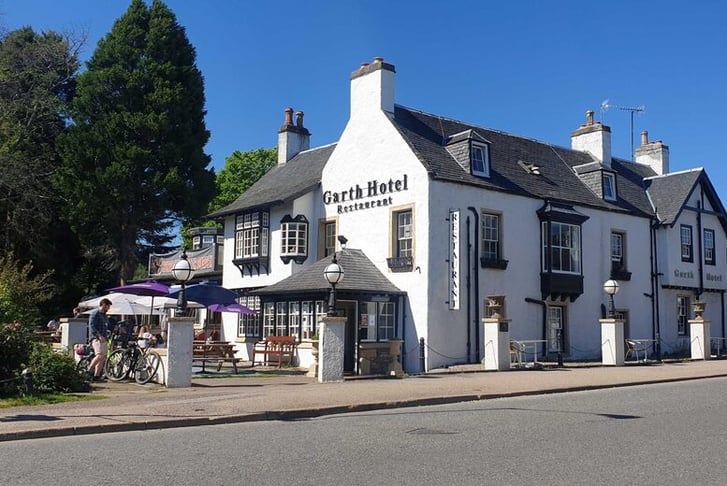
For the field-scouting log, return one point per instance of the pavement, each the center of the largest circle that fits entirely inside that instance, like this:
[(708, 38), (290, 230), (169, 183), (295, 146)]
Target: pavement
[(255, 395)]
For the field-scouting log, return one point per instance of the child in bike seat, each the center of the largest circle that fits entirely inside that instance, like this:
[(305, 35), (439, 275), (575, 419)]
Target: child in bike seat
[(145, 339)]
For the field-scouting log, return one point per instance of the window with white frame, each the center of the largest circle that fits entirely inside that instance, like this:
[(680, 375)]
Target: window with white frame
[(307, 319), (269, 319), (617, 249), (480, 156), (685, 232), (281, 319), (248, 325), (556, 328), (565, 247), (404, 238), (294, 239), (709, 254), (609, 186), (251, 235), (293, 319), (491, 244), (376, 321), (682, 315), (329, 238)]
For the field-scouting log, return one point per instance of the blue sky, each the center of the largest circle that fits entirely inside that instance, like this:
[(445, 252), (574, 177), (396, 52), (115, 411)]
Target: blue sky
[(528, 68)]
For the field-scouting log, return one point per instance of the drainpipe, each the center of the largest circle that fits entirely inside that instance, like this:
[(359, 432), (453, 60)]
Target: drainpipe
[(699, 247), (656, 321), (475, 266), (402, 306), (545, 327), (721, 298), (469, 303)]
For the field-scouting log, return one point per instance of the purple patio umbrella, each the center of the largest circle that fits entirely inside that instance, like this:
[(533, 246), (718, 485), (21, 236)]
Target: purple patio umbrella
[(150, 288), (208, 294), (239, 308)]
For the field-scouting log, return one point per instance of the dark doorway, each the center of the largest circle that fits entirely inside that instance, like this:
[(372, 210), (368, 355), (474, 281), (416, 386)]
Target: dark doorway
[(348, 309)]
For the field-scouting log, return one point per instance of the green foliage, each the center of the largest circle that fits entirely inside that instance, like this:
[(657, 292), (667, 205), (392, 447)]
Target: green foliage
[(54, 372), (37, 80), (21, 293), (133, 161), (242, 170), (15, 347)]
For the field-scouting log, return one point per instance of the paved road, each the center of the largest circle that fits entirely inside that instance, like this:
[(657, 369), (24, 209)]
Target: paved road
[(619, 435), (246, 398)]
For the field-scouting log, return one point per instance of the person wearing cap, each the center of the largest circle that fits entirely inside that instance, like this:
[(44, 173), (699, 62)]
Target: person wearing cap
[(98, 325)]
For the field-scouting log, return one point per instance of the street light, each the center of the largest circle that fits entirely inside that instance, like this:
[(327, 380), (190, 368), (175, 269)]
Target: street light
[(183, 273), (333, 274), (611, 287)]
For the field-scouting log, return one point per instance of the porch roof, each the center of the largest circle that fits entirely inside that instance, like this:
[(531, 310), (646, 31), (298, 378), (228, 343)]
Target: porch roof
[(361, 275)]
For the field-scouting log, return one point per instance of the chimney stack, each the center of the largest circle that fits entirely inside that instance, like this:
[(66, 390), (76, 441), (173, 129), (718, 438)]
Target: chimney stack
[(292, 139), (372, 88), (654, 154), (594, 138)]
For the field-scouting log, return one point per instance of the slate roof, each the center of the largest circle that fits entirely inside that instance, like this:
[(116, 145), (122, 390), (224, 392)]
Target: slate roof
[(360, 275), (669, 193), (426, 135), (282, 183), (556, 179)]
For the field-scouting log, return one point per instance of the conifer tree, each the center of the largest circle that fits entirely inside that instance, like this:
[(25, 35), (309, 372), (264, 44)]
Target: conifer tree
[(134, 164)]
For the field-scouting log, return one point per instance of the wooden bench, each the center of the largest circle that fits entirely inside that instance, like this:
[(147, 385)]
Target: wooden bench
[(214, 351), (275, 349)]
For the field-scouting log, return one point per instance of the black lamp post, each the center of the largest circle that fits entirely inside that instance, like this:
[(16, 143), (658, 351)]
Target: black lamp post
[(333, 274), (182, 272), (611, 287)]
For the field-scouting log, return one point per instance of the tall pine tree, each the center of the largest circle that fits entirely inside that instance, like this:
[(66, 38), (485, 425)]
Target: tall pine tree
[(134, 162), (37, 82)]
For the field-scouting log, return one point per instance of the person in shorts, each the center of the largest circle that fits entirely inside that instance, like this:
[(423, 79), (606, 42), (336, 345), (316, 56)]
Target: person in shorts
[(98, 324)]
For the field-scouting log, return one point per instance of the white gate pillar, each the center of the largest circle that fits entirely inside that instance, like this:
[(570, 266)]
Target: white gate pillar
[(612, 342), (178, 370), (331, 348), (497, 343)]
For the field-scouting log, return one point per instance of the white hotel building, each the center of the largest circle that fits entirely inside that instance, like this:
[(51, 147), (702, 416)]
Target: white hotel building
[(440, 216)]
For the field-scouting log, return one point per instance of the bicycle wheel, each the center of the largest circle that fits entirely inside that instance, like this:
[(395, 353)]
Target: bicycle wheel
[(147, 367), (117, 365), (83, 364)]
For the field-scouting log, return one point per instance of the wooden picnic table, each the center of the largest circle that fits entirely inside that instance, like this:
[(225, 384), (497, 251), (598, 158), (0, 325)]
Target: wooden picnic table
[(49, 336), (219, 351)]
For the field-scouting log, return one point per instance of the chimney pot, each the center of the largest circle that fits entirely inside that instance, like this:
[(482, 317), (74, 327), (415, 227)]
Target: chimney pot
[(589, 117), (299, 119), (378, 59), (364, 64), (288, 117), (644, 137)]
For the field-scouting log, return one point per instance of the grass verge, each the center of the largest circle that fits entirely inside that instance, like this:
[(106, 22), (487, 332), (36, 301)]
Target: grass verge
[(46, 399)]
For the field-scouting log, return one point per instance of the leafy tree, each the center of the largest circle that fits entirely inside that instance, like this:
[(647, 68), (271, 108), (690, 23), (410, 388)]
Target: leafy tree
[(37, 80), (242, 170), (21, 293), (134, 164)]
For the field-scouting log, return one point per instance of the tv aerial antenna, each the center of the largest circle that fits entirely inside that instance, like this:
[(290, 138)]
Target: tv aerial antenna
[(606, 105)]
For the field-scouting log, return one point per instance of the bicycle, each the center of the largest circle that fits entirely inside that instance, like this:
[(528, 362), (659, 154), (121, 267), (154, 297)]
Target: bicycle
[(142, 362), (87, 354)]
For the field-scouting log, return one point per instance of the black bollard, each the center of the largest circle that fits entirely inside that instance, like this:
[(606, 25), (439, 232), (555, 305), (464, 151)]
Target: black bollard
[(421, 355)]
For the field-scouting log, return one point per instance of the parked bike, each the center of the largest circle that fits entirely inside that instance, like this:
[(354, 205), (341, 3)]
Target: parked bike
[(143, 363)]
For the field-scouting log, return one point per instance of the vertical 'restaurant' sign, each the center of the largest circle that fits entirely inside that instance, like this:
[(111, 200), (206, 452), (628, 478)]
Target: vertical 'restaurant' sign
[(454, 259)]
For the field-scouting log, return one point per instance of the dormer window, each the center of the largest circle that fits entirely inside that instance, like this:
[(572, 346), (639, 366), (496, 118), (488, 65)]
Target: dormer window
[(480, 160), (294, 239), (609, 186)]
